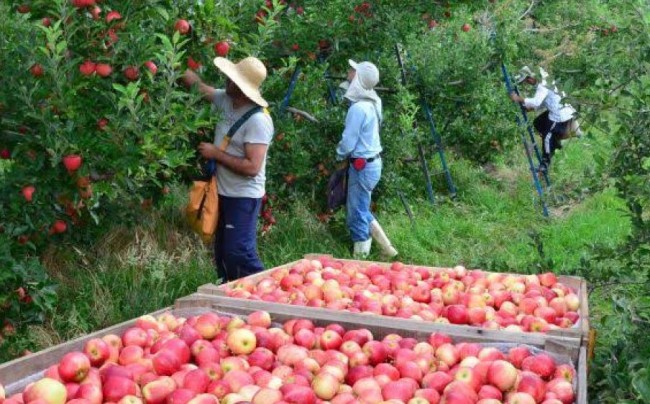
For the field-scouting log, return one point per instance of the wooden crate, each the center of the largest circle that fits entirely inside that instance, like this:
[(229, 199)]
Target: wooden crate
[(579, 333), (382, 326), (16, 374)]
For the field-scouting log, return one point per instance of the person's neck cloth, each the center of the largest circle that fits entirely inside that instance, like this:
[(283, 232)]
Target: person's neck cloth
[(356, 92)]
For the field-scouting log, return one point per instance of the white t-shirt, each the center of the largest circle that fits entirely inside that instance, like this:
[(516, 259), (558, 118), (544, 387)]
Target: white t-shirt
[(258, 129), (557, 112)]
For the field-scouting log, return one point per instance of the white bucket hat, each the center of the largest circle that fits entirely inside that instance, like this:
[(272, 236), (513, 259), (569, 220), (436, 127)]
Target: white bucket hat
[(362, 87), (367, 72), (523, 73), (248, 74)]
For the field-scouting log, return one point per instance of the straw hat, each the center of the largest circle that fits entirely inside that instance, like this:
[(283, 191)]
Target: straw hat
[(248, 74)]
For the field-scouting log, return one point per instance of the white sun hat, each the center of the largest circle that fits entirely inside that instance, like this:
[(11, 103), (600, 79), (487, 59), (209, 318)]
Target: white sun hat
[(362, 87), (248, 74), (367, 72), (523, 73)]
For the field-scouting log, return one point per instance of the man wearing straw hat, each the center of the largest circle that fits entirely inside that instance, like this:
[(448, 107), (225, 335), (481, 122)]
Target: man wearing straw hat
[(557, 122), (241, 162)]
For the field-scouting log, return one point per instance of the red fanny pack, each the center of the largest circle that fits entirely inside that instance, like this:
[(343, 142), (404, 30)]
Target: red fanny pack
[(359, 164)]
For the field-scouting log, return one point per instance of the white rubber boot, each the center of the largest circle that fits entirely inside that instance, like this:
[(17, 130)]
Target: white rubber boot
[(362, 248), (380, 237)]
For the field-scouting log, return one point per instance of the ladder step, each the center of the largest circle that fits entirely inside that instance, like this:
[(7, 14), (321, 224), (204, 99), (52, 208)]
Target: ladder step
[(436, 174)]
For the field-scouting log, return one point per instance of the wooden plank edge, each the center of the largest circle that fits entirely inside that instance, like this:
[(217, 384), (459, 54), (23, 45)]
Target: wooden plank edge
[(535, 339), (14, 371), (582, 372)]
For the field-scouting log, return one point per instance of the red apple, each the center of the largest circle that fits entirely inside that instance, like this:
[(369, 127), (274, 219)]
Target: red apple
[(87, 68), (241, 341), (547, 279), (325, 386), (182, 26), (399, 390), (180, 396), (74, 367), (113, 15), (457, 314), (469, 377), (520, 398), (516, 355), (91, 392), (114, 388), (532, 384), (565, 371), (28, 192), (135, 336), (542, 364), (166, 362), (296, 394), (267, 395), (466, 27), (489, 392), (47, 391), (196, 380), (36, 70), (222, 48), (437, 380), (72, 162), (502, 374), (330, 339), (131, 73), (97, 350), (448, 354), (562, 389), (103, 69)]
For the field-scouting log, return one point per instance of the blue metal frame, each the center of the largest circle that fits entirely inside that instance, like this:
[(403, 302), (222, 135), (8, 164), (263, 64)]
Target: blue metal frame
[(510, 88), (432, 127), (292, 86)]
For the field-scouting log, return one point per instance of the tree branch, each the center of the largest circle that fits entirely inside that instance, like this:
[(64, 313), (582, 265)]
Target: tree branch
[(304, 114), (530, 8)]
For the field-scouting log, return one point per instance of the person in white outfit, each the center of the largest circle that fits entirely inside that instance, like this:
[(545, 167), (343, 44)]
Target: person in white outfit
[(360, 146), (557, 122)]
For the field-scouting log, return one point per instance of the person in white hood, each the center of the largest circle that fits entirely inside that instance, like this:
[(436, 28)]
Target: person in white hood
[(360, 145), (557, 122)]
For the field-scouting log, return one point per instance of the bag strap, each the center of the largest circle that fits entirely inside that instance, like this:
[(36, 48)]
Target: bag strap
[(235, 127), (212, 165)]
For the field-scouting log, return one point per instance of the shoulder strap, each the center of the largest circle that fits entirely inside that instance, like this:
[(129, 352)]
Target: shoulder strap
[(235, 127), (212, 166)]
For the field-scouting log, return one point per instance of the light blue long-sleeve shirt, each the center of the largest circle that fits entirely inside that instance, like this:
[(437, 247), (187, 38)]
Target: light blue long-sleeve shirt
[(361, 133)]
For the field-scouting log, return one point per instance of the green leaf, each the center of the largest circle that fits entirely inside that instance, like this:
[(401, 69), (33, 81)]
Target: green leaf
[(641, 383), (166, 42)]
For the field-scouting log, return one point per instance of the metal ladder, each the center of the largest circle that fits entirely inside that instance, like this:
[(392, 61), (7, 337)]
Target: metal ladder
[(428, 115), (523, 122)]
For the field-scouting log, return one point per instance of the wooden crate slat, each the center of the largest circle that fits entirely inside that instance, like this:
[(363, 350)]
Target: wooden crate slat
[(381, 328), (569, 344), (582, 375), (580, 331), (19, 369)]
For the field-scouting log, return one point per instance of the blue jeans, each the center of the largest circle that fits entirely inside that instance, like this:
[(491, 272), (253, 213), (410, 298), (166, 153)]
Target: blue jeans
[(360, 186), (235, 243)]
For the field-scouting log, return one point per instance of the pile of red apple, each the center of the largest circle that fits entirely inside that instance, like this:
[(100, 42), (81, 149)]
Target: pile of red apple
[(211, 359), (523, 303)]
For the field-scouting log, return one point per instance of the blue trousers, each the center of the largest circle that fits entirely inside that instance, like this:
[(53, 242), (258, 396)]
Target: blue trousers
[(235, 243), (360, 186)]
